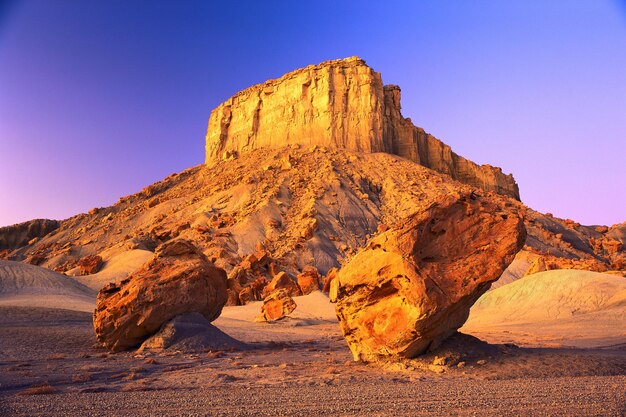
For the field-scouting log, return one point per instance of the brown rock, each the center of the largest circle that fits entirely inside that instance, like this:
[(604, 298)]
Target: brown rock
[(309, 280), (413, 285), (232, 297), (179, 279), (247, 295), (282, 281), (337, 104), (330, 276), (18, 235), (90, 264), (276, 306)]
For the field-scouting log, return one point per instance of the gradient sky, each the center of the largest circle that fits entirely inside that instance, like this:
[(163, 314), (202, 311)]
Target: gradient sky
[(99, 99)]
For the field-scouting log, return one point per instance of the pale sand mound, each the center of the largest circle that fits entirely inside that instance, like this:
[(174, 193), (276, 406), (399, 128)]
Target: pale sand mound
[(314, 317), (559, 307), (117, 268), (32, 286)]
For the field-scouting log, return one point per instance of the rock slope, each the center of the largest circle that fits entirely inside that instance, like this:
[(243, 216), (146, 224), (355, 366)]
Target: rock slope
[(301, 206), (341, 104)]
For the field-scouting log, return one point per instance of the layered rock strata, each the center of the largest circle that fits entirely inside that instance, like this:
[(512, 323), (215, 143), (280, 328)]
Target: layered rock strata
[(412, 286), (340, 104)]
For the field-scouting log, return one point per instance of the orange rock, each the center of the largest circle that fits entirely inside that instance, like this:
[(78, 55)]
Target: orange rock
[(309, 280), (276, 306), (90, 264), (330, 276), (413, 286), (233, 297), (179, 279), (282, 281)]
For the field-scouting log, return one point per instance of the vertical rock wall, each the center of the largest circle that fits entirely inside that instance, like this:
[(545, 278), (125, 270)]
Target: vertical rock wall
[(343, 104)]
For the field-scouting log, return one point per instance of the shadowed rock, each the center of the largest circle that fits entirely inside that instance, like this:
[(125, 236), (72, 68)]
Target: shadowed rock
[(413, 285), (189, 333)]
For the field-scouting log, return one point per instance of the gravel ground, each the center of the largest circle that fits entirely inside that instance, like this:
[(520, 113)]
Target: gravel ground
[(581, 396), (299, 375)]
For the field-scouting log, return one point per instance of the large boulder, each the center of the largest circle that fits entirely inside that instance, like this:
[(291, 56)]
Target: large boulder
[(178, 280), (413, 285)]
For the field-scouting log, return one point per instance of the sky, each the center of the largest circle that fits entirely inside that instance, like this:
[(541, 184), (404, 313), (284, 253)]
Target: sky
[(100, 99)]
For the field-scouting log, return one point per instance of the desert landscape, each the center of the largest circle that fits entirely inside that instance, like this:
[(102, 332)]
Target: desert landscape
[(329, 258)]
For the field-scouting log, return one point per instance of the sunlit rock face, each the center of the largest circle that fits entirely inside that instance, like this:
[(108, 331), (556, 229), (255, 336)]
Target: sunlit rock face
[(412, 286), (339, 104)]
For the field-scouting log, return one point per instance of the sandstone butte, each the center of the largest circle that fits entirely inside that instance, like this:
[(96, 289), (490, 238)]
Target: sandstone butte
[(412, 286), (341, 104)]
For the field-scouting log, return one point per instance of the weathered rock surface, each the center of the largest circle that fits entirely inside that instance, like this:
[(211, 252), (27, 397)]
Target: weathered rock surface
[(178, 280), (276, 306), (90, 264), (339, 104), (284, 281), (18, 235), (189, 333), (308, 280), (228, 209), (413, 286)]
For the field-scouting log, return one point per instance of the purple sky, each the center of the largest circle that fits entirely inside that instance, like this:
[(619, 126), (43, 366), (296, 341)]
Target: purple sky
[(99, 99)]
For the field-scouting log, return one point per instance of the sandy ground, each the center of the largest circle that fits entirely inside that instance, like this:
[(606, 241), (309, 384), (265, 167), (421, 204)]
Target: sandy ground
[(300, 366), (553, 308), (29, 285), (50, 364)]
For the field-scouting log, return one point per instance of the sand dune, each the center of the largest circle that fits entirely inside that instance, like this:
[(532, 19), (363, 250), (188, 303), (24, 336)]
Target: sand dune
[(116, 268), (32, 286), (559, 307)]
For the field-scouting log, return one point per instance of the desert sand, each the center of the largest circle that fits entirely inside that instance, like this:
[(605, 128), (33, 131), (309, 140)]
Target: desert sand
[(553, 308), (50, 363)]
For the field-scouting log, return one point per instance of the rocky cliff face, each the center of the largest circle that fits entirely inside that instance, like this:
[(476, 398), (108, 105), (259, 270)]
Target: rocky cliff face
[(340, 104), (18, 235)]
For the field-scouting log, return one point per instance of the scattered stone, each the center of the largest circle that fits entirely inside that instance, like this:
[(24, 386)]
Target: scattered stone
[(309, 280), (90, 264), (276, 306), (282, 281)]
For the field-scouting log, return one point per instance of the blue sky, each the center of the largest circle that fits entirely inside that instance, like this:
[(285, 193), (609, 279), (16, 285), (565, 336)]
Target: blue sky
[(99, 99)]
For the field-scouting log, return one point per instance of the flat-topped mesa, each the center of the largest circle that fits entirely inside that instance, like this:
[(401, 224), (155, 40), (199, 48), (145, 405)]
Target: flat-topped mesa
[(341, 104)]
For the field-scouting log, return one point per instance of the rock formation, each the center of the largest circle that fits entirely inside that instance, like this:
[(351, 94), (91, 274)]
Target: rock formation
[(178, 280), (276, 306), (18, 235), (282, 280), (308, 280), (340, 104), (413, 285), (90, 264)]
